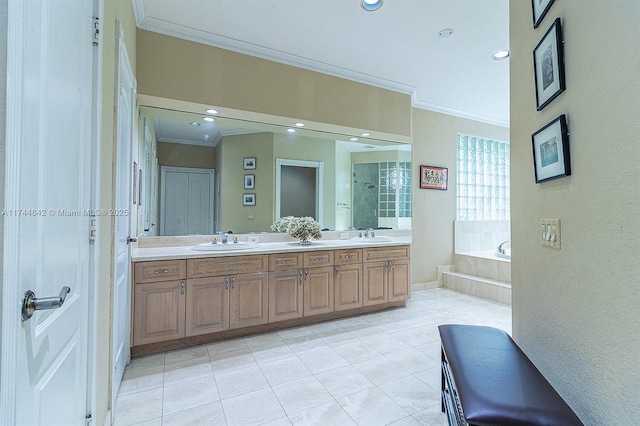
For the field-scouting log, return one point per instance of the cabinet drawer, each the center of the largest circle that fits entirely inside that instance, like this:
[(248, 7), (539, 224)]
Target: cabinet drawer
[(161, 270), (285, 261), (385, 253), (348, 256), (228, 265), (314, 259)]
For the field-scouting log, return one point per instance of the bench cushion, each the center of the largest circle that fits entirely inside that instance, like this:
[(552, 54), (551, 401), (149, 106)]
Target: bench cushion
[(495, 381)]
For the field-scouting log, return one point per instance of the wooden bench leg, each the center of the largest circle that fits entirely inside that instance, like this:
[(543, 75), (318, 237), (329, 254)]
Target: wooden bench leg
[(442, 380)]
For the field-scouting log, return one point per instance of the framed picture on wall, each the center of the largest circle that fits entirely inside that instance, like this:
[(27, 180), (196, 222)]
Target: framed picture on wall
[(248, 199), (249, 181), (540, 9), (249, 163), (548, 62), (433, 177), (551, 151)]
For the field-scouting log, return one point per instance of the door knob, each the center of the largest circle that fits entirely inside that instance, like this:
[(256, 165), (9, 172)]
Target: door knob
[(131, 240), (30, 303)]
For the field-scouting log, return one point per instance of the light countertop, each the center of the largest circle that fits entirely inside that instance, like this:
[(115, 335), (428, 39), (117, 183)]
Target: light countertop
[(187, 252)]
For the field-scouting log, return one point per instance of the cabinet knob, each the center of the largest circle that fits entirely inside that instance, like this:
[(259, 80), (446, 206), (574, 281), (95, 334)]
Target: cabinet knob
[(181, 287)]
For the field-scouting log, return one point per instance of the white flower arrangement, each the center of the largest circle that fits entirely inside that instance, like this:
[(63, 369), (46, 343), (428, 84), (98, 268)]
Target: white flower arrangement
[(282, 224), (304, 228)]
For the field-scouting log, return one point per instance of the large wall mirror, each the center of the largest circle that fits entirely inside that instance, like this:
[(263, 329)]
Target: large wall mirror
[(200, 174)]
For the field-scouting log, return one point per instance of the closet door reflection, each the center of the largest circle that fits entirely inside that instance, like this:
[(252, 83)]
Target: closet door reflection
[(186, 201)]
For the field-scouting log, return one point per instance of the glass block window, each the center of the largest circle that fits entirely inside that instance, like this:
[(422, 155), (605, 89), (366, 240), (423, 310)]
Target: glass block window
[(483, 181), (394, 189), (388, 178), (404, 190)]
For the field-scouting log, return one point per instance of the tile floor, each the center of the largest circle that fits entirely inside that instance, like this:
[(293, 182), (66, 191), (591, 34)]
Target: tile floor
[(376, 369)]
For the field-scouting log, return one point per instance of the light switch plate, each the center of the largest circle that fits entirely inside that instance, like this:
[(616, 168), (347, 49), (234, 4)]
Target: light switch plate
[(550, 233)]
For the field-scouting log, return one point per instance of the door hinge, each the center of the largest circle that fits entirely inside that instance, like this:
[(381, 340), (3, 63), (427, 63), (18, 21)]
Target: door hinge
[(96, 31), (88, 419), (93, 227)]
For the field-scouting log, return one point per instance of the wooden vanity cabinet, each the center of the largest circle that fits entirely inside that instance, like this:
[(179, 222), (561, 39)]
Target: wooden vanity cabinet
[(158, 301), (347, 279), (318, 286), (178, 299), (386, 274), (234, 295), (285, 286)]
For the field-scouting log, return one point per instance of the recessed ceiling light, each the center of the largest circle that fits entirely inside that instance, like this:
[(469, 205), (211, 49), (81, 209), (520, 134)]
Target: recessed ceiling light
[(445, 33), (353, 139), (371, 5), (194, 124), (299, 124), (290, 130), (365, 134), (209, 119), (500, 55), (211, 111)]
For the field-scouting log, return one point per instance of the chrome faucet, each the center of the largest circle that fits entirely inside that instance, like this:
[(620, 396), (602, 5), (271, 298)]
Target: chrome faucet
[(225, 238), (501, 248), (368, 232)]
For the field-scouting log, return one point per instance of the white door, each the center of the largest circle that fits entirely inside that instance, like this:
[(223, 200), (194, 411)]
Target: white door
[(186, 201), (200, 207), (47, 197), (123, 215)]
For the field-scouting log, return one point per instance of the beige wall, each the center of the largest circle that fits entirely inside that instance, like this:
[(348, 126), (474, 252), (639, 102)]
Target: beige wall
[(234, 216), (118, 10), (184, 155), (434, 144), (575, 310), (172, 68)]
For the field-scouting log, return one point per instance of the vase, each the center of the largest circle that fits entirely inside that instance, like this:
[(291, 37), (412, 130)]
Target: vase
[(305, 242)]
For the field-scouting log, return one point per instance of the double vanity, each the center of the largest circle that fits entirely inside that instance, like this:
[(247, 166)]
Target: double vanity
[(203, 292)]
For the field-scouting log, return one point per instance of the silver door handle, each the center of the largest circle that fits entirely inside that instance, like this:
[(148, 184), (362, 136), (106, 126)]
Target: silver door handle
[(30, 303)]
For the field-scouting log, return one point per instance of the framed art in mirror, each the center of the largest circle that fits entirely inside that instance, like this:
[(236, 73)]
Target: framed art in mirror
[(248, 199), (249, 163), (249, 181), (548, 62), (551, 151)]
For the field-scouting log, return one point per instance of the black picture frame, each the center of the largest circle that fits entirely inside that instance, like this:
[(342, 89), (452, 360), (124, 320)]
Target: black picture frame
[(548, 63), (434, 177), (551, 159), (248, 199), (249, 163), (540, 9), (249, 181)]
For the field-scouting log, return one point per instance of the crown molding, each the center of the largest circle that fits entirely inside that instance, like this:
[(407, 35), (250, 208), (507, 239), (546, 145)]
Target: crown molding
[(457, 113)]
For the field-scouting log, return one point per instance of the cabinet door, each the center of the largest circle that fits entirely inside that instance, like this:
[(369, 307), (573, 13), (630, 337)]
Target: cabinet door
[(207, 305), (399, 280), (249, 301), (318, 290), (348, 287), (285, 295), (158, 312), (374, 283)]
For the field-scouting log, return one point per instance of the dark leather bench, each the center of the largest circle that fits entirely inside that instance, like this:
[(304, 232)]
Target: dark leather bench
[(487, 381)]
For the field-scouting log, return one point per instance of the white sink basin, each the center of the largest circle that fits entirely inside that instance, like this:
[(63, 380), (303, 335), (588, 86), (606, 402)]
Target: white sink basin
[(372, 240), (224, 247)]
